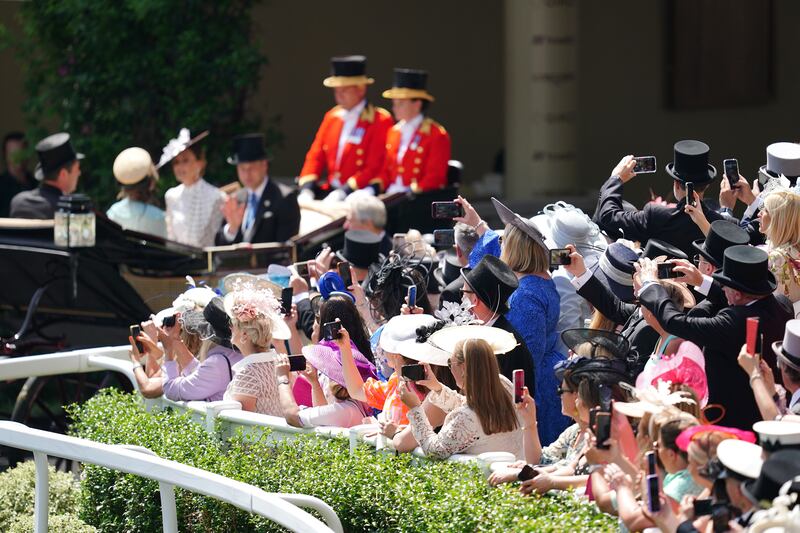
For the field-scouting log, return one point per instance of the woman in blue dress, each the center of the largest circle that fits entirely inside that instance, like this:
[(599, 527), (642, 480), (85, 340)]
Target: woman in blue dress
[(137, 208), (534, 306)]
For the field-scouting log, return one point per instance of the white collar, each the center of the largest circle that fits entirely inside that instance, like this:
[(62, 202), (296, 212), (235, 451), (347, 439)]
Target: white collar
[(260, 189), (412, 124), (356, 110), (796, 307), (263, 357), (795, 398)]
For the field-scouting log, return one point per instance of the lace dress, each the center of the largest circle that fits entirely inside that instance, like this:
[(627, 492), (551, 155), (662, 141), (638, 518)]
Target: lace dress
[(194, 214), (255, 376), (462, 431)]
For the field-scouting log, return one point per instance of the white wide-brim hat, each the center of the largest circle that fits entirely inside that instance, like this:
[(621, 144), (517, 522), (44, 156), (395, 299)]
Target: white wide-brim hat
[(741, 457), (402, 328), (500, 340), (423, 352)]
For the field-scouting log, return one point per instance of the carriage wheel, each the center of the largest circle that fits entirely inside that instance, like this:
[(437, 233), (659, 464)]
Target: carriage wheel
[(40, 404)]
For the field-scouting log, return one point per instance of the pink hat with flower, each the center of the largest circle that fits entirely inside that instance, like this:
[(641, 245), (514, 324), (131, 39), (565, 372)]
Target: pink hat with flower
[(694, 432), (247, 303)]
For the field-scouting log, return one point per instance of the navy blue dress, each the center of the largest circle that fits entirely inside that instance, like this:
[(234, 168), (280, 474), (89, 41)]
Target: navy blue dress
[(534, 311)]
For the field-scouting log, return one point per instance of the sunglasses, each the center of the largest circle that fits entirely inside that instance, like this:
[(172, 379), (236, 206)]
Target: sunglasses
[(561, 390)]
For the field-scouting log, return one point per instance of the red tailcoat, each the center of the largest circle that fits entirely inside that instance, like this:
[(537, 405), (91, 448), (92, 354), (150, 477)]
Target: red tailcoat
[(424, 165)]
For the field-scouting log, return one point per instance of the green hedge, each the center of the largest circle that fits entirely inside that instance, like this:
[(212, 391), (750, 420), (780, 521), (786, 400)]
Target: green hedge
[(369, 491), (17, 491)]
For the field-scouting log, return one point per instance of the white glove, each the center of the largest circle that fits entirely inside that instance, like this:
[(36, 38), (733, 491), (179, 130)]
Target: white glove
[(335, 196), (306, 195), (369, 191), (397, 187)]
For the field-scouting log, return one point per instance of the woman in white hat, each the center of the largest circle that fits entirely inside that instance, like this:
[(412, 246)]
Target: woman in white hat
[(138, 208)]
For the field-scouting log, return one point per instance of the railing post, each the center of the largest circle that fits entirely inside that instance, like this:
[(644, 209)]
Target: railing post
[(41, 506), (169, 514)]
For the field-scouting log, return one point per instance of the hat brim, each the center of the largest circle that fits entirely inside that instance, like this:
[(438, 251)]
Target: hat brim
[(623, 292), (346, 81), (500, 340), (698, 245), (38, 173), (507, 216), (404, 93), (768, 285), (705, 178), (422, 352), (780, 353), (278, 328), (192, 142), (230, 281), (689, 300)]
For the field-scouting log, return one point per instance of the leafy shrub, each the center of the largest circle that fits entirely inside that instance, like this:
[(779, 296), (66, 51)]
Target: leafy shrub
[(17, 493), (368, 491), (120, 73)]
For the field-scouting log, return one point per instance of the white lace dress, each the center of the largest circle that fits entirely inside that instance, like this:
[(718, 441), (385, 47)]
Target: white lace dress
[(255, 376), (194, 214), (461, 431)]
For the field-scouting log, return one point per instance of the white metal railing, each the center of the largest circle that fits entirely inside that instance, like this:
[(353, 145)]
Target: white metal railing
[(280, 508)]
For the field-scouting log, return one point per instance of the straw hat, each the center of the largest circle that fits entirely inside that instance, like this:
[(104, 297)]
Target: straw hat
[(132, 165)]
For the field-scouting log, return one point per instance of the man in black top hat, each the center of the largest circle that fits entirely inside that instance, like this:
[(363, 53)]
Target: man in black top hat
[(58, 171), (671, 224), (748, 285), (488, 287), (361, 249), (263, 210)]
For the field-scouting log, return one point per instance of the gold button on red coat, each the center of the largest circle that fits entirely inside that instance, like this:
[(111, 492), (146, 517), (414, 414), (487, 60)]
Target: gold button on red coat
[(400, 169), (419, 150), (360, 151), (416, 170), (417, 161), (359, 162)]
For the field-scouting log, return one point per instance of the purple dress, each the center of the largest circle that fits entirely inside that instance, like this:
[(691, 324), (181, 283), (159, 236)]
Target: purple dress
[(534, 312), (205, 381)]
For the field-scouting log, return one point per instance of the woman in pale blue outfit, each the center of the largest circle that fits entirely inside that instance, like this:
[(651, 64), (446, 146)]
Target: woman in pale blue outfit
[(137, 208)]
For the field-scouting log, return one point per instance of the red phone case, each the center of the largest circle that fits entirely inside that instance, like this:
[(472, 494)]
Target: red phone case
[(519, 384), (752, 333)]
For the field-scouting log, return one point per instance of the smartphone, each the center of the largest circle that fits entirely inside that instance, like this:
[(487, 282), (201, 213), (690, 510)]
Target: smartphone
[(330, 330), (169, 321), (519, 384), (651, 463), (690, 194), (444, 238), (527, 472), (665, 271), (593, 417), (559, 256), (720, 516), (653, 486), (443, 210), (731, 167), (398, 241), (302, 271), (413, 372), (286, 300), (645, 164), (412, 296), (602, 429), (344, 273), (297, 363), (702, 507), (136, 330), (752, 334)]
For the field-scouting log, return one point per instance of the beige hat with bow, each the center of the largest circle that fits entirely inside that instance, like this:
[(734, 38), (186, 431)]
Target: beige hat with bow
[(132, 165)]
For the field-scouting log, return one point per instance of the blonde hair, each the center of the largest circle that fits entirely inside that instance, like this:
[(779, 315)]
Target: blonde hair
[(257, 331), (784, 211), (587, 349), (523, 254), (600, 321)]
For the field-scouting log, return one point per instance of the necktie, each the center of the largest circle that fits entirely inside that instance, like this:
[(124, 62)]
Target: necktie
[(250, 212)]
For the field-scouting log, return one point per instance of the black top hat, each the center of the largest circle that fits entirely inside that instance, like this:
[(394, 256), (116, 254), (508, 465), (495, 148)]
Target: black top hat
[(409, 83), (427, 267), (54, 152), (780, 467), (691, 163), (657, 248), (451, 270), (493, 282), (361, 248), (722, 235), (247, 148), (215, 314), (745, 269), (348, 70)]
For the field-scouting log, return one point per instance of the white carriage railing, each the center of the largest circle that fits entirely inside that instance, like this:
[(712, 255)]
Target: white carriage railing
[(209, 414), (280, 508)]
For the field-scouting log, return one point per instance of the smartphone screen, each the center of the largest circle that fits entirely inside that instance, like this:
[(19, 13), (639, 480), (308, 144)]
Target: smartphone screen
[(412, 296), (702, 507), (302, 270), (602, 429), (297, 363), (645, 164), (413, 372), (519, 384), (690, 193), (665, 271), (135, 332), (731, 172), (558, 257), (444, 210), (651, 463), (344, 273), (653, 503), (444, 238), (527, 472), (330, 330), (286, 300), (752, 334)]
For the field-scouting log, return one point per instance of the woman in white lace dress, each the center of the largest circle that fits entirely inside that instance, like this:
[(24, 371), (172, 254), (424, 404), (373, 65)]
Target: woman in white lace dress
[(194, 207), (254, 323), (483, 420), (780, 223)]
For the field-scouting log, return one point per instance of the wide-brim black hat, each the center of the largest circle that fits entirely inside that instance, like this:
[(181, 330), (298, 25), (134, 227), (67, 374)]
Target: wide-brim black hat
[(220, 322), (780, 467), (361, 248), (179, 145), (691, 163), (616, 344), (493, 282), (409, 83), (722, 235), (54, 152), (347, 71), (658, 248), (248, 148), (507, 216), (745, 269)]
